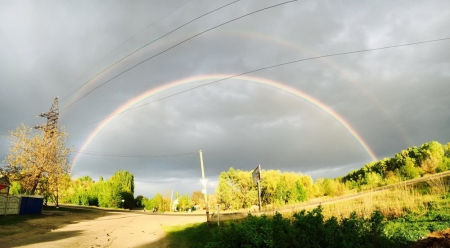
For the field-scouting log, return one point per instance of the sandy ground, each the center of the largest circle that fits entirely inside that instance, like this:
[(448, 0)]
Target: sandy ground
[(116, 229)]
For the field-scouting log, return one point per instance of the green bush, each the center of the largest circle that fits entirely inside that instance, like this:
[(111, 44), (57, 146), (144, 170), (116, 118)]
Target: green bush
[(305, 229)]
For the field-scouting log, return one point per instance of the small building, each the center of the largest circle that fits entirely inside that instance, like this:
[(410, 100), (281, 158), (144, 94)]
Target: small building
[(11, 204), (4, 185), (8, 205)]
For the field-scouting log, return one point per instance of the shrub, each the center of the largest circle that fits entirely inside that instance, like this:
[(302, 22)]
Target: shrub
[(304, 229)]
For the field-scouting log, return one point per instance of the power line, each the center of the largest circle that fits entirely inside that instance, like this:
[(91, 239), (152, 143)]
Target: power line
[(151, 42), (130, 155), (136, 49), (143, 61), (1, 128), (118, 48), (176, 185), (270, 67)]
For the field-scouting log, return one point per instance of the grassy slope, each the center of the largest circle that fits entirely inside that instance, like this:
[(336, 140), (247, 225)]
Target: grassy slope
[(411, 213)]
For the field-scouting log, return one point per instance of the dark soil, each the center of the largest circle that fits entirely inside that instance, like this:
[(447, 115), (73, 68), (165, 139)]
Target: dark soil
[(440, 239)]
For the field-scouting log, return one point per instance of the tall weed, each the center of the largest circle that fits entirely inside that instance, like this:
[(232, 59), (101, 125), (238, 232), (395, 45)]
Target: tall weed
[(394, 203)]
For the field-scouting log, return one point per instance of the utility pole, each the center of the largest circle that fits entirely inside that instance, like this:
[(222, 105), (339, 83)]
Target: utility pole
[(171, 201), (52, 119), (204, 181)]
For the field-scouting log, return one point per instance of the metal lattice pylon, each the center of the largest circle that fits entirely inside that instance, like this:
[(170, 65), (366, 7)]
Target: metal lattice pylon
[(52, 119)]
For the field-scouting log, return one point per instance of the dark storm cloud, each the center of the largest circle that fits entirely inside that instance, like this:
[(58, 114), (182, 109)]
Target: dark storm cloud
[(392, 98)]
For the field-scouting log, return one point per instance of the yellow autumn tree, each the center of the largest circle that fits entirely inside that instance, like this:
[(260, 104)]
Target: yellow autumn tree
[(38, 160)]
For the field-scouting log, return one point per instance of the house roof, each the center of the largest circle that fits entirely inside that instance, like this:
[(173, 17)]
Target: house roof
[(4, 180)]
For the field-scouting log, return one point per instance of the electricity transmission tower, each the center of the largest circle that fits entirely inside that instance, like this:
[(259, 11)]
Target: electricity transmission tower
[(52, 119)]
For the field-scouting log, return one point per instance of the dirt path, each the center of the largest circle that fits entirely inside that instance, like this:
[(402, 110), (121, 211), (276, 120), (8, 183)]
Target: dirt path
[(116, 229)]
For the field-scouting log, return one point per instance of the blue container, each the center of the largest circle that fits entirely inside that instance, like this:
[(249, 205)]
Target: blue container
[(31, 205)]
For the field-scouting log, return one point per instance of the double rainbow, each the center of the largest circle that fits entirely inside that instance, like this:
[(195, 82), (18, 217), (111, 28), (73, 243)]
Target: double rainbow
[(212, 77)]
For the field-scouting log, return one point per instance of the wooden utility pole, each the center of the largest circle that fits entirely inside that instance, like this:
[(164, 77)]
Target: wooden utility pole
[(171, 201), (204, 181)]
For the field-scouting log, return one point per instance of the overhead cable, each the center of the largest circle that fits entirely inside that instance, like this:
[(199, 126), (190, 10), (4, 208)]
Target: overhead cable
[(156, 55), (62, 99), (130, 155), (270, 67), (151, 42)]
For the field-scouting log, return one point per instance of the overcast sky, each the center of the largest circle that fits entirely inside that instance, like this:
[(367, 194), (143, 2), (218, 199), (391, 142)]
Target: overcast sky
[(323, 117)]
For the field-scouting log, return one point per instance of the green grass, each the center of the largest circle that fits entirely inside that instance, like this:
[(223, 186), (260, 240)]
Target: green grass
[(17, 219), (13, 224), (263, 231), (191, 235), (419, 224)]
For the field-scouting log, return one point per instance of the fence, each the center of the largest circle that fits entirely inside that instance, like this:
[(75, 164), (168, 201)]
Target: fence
[(9, 204)]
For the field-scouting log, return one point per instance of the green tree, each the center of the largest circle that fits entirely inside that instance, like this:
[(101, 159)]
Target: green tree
[(269, 186), (281, 192), (237, 189), (184, 202), (121, 187), (433, 153), (138, 201), (159, 201), (373, 179), (409, 171), (149, 204), (109, 193), (223, 192), (301, 193), (445, 165), (16, 189)]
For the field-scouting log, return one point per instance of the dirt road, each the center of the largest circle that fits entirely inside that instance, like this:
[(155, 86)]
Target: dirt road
[(116, 229)]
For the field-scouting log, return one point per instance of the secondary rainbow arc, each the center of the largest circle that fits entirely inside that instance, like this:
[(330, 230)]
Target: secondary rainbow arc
[(325, 61)]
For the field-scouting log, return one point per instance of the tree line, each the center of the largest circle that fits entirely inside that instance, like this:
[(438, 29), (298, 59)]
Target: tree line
[(236, 189), (430, 158), (37, 163), (103, 193)]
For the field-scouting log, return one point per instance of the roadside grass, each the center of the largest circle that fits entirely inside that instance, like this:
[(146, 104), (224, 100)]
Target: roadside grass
[(408, 214), (17, 226), (395, 203), (262, 231), (191, 235)]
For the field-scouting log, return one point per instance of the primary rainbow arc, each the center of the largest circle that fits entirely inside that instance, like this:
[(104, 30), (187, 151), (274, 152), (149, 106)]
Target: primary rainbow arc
[(258, 80)]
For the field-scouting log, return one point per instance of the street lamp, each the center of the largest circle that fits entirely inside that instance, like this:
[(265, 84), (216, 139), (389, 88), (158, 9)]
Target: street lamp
[(122, 202)]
